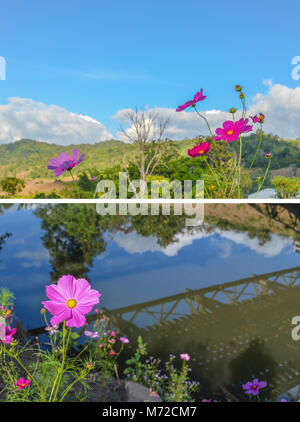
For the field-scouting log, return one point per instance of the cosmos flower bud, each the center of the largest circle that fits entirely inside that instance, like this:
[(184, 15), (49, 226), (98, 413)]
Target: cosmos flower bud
[(238, 88), (242, 95), (268, 155), (232, 110)]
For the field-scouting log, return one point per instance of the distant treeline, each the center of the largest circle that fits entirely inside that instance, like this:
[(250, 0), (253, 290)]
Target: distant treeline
[(30, 157)]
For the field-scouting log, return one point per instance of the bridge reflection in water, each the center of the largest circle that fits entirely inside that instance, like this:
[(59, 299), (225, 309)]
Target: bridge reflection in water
[(233, 331)]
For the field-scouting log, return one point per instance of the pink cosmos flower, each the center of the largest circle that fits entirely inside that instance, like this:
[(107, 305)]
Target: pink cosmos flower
[(254, 387), (153, 393), (64, 162), (22, 383), (111, 352), (9, 333), (52, 330), (91, 334), (198, 150), (244, 125), (94, 179), (124, 340), (70, 300), (231, 131), (268, 155), (258, 119), (185, 356), (197, 97)]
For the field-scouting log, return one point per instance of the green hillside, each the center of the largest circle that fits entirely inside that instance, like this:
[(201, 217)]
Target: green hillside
[(31, 157)]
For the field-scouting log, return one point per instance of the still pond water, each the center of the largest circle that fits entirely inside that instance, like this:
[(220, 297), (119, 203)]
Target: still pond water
[(224, 292)]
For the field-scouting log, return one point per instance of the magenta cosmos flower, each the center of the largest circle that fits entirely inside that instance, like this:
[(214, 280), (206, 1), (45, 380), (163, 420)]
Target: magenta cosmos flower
[(9, 333), (22, 383), (258, 119), (185, 356), (254, 387), (198, 150), (231, 131), (124, 340), (268, 155), (197, 97), (70, 300), (64, 162)]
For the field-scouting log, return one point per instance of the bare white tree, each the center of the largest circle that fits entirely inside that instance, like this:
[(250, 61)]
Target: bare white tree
[(147, 130)]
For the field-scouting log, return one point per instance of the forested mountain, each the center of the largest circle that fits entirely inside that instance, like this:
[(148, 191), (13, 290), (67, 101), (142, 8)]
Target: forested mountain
[(29, 157)]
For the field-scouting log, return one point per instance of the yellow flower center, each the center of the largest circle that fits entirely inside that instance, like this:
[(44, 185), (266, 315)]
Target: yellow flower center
[(71, 303), (254, 387), (230, 132), (201, 151)]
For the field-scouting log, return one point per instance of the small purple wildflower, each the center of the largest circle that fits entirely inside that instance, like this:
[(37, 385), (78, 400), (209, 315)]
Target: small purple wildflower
[(254, 387)]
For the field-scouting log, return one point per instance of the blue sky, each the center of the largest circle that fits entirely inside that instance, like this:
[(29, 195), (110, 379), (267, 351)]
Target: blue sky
[(97, 57)]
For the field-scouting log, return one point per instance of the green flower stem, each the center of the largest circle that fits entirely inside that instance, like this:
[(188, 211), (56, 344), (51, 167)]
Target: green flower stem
[(80, 353), (120, 351), (259, 188), (50, 337), (207, 192), (235, 168), (244, 108), (239, 167), (206, 121), (29, 374), (95, 193), (260, 139), (78, 191), (215, 176), (65, 347), (71, 385)]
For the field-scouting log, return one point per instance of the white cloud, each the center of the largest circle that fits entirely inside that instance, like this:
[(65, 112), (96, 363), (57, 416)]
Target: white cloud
[(269, 249), (33, 258), (26, 118), (134, 243), (182, 124), (280, 104)]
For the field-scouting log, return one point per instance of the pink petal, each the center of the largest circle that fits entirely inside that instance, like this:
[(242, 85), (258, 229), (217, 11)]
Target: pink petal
[(84, 308), (66, 286), (75, 154), (82, 287), (53, 293), (59, 172), (77, 319), (61, 317), (63, 157), (89, 298), (53, 307), (54, 162)]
